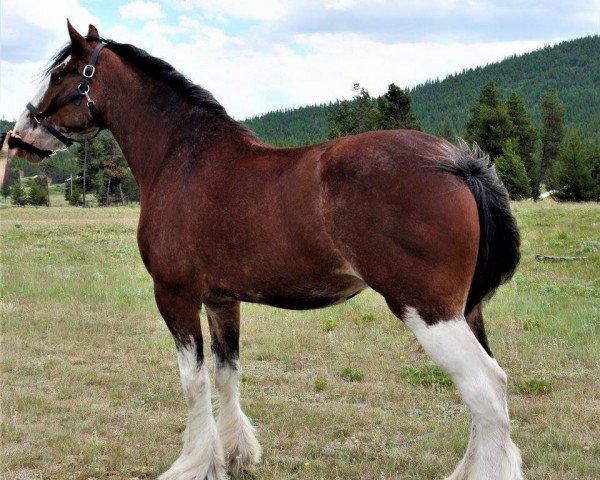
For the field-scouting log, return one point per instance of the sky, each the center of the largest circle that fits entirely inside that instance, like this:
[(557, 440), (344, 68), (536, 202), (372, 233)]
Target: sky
[(261, 55)]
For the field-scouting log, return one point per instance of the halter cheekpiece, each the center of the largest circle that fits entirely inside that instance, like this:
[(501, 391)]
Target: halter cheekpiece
[(82, 90)]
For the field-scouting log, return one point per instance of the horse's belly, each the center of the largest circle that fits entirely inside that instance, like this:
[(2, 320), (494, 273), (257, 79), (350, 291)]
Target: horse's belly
[(308, 296)]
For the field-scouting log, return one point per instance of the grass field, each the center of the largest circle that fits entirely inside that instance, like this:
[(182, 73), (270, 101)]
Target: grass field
[(90, 388)]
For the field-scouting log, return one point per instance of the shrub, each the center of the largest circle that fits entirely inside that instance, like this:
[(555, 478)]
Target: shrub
[(530, 325), (320, 384), (351, 375), (427, 376), (329, 324), (368, 318), (533, 387)]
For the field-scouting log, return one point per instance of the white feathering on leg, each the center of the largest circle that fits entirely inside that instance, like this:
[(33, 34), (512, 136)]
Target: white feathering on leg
[(237, 433), (491, 454), (202, 454)]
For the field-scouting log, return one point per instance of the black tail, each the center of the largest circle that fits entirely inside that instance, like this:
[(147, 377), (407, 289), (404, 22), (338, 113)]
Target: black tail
[(499, 239)]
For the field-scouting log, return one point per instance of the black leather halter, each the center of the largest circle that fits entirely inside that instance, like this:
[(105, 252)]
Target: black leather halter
[(82, 90)]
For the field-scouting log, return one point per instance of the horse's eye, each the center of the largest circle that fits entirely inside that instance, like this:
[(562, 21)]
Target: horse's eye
[(55, 77)]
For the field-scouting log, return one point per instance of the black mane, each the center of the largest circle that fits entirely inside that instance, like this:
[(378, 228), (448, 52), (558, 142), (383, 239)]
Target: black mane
[(155, 68)]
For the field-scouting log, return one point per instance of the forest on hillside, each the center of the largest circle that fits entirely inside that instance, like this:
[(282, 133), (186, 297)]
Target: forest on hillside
[(291, 127), (572, 68)]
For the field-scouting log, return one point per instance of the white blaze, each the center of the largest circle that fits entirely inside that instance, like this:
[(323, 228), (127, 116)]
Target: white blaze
[(26, 126)]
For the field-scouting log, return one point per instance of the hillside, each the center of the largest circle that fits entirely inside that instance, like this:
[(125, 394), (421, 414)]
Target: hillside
[(571, 67), (291, 127)]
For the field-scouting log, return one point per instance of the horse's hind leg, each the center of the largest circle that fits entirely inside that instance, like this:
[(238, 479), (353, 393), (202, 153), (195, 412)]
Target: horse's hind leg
[(475, 321), (242, 450), (491, 454), (202, 455)]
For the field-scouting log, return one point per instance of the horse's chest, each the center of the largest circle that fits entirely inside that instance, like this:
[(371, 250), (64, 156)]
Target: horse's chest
[(169, 253)]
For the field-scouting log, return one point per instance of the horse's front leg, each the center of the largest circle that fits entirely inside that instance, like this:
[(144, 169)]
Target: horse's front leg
[(202, 455), (242, 450)]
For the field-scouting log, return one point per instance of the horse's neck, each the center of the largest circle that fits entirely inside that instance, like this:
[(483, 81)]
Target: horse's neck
[(148, 135)]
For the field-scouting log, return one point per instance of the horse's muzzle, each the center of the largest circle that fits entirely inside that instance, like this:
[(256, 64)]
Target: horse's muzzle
[(26, 150)]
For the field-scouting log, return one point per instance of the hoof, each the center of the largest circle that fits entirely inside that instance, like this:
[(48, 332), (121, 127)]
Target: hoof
[(211, 472), (503, 465), (244, 457), (242, 450), (194, 465)]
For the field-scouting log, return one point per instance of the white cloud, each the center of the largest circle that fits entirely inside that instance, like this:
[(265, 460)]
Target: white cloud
[(239, 9), (249, 82), (590, 14), (31, 33), (141, 10), (437, 20), (18, 84), (339, 4), (268, 66)]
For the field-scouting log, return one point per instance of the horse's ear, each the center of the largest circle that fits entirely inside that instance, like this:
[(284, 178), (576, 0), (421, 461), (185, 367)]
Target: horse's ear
[(78, 44), (93, 32)]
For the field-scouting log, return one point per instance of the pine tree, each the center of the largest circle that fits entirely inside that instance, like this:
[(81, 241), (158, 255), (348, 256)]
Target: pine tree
[(395, 110), (512, 172), (101, 188), (72, 191), (594, 152), (349, 117), (571, 175), (364, 113), (553, 115), (448, 130), (524, 132), (5, 189), (97, 151), (38, 192), (17, 193), (110, 176), (489, 125)]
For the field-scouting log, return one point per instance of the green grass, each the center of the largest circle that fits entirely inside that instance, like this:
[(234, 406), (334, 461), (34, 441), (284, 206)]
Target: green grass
[(427, 375), (352, 375), (90, 387), (533, 386), (320, 384)]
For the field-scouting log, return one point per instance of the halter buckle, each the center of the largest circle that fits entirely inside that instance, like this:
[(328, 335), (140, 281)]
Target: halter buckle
[(87, 96), (83, 92), (88, 71)]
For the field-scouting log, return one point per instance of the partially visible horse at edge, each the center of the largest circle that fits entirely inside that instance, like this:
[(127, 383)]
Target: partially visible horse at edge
[(226, 219)]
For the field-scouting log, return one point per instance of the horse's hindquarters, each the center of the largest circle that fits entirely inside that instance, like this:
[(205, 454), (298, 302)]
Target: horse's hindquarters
[(412, 233)]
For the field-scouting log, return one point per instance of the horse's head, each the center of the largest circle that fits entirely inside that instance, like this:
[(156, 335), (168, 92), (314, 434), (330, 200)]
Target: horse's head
[(61, 111)]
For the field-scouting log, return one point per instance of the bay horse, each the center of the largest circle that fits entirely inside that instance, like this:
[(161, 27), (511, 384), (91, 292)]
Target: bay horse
[(226, 219)]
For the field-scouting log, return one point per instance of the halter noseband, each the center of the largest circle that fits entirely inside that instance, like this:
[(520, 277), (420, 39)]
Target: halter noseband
[(82, 90)]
